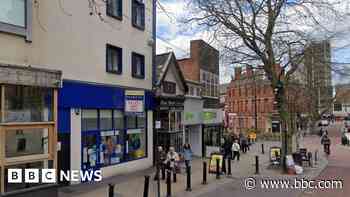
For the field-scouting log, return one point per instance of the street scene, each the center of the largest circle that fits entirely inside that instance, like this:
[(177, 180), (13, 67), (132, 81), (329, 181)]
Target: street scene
[(174, 98)]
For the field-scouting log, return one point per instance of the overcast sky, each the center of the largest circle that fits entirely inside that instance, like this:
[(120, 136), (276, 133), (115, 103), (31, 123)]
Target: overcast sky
[(172, 36)]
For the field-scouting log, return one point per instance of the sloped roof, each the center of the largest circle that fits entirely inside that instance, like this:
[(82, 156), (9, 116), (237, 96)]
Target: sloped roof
[(162, 66)]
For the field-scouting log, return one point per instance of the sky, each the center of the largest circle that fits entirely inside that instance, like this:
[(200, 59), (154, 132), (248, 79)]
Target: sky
[(172, 35)]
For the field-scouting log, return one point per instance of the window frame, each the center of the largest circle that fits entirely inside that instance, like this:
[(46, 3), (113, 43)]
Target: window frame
[(120, 10), (135, 55), (25, 31), (135, 5), (120, 58)]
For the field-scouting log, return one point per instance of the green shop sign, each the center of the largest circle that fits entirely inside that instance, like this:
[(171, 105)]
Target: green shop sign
[(207, 116), (189, 116)]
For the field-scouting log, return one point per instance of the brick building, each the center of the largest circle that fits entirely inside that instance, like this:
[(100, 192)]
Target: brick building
[(250, 100)]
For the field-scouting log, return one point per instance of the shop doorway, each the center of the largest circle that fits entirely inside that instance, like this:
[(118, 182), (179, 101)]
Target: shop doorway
[(90, 151)]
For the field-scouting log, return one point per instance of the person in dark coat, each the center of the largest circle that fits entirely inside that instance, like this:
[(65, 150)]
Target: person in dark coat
[(160, 166), (326, 141), (227, 148)]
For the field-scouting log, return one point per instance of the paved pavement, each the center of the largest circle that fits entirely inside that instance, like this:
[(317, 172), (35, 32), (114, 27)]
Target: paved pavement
[(338, 168), (132, 184)]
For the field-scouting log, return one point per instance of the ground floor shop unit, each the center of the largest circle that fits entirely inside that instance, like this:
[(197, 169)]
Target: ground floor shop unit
[(104, 127), (28, 120), (169, 121)]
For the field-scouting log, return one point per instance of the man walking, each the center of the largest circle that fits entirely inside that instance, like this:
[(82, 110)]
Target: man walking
[(235, 149)]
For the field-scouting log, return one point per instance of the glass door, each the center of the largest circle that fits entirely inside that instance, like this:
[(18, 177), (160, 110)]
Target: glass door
[(90, 151)]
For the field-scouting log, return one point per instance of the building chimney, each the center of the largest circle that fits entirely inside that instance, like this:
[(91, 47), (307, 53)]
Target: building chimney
[(238, 72)]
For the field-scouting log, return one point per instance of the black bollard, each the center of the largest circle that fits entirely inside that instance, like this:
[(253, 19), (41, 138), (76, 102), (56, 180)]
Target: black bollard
[(158, 187), (162, 168), (188, 170), (316, 155), (110, 190), (168, 183), (262, 149), (224, 166), (229, 166), (217, 169), (309, 156), (204, 173), (256, 164), (146, 187), (174, 175)]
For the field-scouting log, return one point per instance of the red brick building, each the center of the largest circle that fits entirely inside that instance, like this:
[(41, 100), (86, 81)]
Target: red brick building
[(250, 100)]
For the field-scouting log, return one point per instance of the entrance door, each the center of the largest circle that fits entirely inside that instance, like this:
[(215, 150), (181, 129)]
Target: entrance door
[(90, 151)]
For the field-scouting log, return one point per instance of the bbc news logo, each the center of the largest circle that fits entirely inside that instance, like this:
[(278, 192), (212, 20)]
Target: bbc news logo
[(50, 176)]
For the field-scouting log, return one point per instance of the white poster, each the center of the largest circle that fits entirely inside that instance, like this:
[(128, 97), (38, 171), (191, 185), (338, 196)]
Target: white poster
[(134, 101)]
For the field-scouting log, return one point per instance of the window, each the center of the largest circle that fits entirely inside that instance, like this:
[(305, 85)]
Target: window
[(111, 148), (136, 137), (115, 8), (191, 91), (114, 60), (89, 120), (106, 121), (28, 104), (175, 120), (23, 142), (118, 120), (16, 17), (138, 66), (13, 12), (169, 87), (337, 107), (138, 14)]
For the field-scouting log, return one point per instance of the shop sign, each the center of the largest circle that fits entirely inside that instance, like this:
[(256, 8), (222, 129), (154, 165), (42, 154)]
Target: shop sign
[(158, 125), (189, 116), (134, 101), (208, 116), (171, 105)]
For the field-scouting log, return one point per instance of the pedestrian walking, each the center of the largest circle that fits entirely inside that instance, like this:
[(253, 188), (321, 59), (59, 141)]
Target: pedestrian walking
[(326, 141), (172, 160), (160, 167), (244, 144), (235, 149), (227, 148), (187, 155)]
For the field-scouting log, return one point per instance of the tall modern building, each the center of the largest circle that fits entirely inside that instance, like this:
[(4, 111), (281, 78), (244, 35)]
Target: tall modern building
[(76, 86), (317, 65)]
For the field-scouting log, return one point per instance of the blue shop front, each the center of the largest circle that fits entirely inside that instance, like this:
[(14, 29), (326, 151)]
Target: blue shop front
[(104, 127)]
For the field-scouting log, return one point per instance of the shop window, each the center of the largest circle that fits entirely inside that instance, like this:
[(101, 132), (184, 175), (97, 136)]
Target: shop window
[(28, 104), (115, 8), (118, 119), (114, 59), (90, 153), (138, 66), (138, 14), (164, 120), (169, 87), (89, 120), (106, 121), (11, 187), (136, 137), (26, 142), (111, 148)]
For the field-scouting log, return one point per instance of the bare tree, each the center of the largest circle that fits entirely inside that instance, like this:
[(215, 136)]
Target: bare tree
[(267, 33)]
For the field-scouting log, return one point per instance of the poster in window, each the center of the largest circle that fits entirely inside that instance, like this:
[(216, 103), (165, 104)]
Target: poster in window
[(134, 101)]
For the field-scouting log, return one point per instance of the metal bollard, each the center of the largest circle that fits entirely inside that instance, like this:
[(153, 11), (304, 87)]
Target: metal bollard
[(309, 156), (223, 166), (217, 169), (158, 187), (174, 175), (262, 149), (316, 155), (229, 166), (204, 173), (168, 183), (146, 187), (110, 190), (256, 164), (188, 169)]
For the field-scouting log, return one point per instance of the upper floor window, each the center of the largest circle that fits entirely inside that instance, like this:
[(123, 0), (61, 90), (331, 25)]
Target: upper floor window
[(115, 8), (16, 17), (169, 87), (114, 63), (13, 12), (138, 14), (138, 66)]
